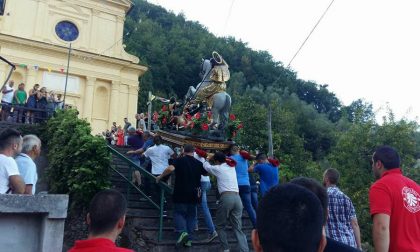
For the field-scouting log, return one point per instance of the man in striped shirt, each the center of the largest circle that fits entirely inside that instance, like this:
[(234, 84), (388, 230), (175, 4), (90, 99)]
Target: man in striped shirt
[(342, 223)]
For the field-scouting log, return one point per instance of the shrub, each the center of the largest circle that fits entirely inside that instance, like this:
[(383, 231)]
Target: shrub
[(78, 161)]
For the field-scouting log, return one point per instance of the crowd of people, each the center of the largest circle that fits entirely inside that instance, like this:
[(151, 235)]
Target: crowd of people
[(20, 106), (301, 215), (118, 135)]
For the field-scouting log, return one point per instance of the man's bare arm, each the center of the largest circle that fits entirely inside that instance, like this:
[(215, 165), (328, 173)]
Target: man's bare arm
[(356, 230), (17, 184), (139, 151), (380, 232), (28, 189)]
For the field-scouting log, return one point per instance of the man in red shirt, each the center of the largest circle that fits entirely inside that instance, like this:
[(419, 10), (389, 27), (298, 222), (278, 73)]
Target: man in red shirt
[(106, 219), (394, 205)]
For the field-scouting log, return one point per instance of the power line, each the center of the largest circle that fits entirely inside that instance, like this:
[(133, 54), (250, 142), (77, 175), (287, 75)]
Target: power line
[(228, 16), (313, 29)]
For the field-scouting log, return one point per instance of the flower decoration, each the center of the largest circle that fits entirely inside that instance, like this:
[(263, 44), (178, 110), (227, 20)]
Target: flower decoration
[(235, 127), (205, 126)]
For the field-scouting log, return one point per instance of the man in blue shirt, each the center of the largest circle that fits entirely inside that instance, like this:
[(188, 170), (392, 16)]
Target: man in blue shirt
[(31, 149), (134, 141), (148, 142), (269, 174), (243, 182)]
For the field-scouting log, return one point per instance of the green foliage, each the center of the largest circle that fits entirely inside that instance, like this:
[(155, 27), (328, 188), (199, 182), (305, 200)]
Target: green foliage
[(78, 161), (353, 153)]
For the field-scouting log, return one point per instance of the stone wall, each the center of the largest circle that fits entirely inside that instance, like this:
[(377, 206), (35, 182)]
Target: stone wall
[(32, 223)]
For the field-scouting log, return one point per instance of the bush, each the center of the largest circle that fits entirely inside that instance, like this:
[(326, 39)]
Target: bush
[(78, 162)]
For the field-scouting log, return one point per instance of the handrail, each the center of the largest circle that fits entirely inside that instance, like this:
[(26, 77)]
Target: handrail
[(142, 170), (164, 188), (135, 187)]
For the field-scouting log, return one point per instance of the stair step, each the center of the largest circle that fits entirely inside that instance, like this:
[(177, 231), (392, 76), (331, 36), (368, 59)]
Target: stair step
[(142, 216)]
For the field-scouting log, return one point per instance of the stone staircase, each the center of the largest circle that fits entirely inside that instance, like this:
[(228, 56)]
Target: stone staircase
[(142, 228)]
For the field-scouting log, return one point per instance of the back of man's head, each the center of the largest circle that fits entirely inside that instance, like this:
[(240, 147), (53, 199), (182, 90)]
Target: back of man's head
[(188, 148), (261, 157), (332, 175), (289, 219), (29, 142), (233, 149), (106, 209), (388, 156), (157, 140), (219, 157), (316, 188), (8, 138)]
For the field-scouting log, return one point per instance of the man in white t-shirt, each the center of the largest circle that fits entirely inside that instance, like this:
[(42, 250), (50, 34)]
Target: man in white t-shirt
[(230, 206), (10, 146), (7, 99), (159, 154), (31, 149)]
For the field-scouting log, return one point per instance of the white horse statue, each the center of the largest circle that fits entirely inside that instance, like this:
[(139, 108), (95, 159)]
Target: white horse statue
[(212, 90)]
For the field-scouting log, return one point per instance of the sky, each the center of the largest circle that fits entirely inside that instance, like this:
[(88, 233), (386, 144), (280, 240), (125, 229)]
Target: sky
[(368, 49)]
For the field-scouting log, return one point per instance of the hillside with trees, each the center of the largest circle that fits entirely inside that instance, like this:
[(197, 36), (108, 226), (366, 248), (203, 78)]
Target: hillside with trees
[(312, 129)]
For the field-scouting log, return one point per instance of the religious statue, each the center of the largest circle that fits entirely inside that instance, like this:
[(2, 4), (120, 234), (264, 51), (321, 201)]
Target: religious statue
[(211, 91)]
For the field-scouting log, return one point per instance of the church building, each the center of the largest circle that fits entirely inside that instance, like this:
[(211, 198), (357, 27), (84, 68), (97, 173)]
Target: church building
[(103, 80)]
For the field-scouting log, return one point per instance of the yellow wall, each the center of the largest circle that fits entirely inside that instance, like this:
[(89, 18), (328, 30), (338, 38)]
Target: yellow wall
[(106, 76)]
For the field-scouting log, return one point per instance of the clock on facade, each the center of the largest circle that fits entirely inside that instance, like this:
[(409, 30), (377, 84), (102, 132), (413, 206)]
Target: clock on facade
[(67, 31)]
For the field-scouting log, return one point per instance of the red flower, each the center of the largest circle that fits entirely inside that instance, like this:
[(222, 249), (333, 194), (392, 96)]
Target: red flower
[(240, 126), (197, 115), (192, 125), (205, 126), (232, 117), (164, 121), (209, 115), (188, 116), (164, 108)]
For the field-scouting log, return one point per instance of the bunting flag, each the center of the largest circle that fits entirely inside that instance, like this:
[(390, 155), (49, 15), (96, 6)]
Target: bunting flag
[(36, 68), (62, 70), (49, 69)]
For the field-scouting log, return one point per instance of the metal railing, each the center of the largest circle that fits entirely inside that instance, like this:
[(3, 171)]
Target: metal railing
[(163, 187), (23, 114)]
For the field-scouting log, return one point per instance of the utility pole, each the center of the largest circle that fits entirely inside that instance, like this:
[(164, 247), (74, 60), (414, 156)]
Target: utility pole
[(149, 112), (270, 134), (67, 76)]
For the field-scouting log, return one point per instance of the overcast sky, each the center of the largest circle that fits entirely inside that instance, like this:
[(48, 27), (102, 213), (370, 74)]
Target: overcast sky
[(366, 49)]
